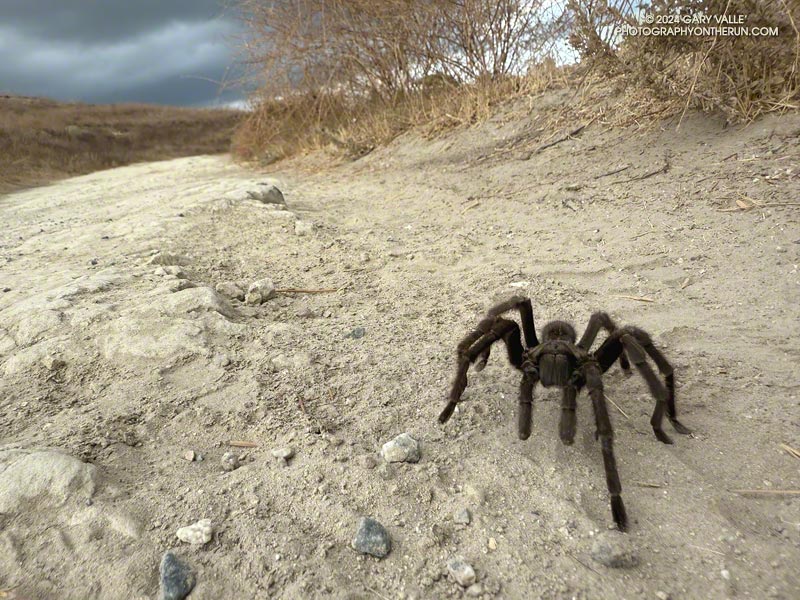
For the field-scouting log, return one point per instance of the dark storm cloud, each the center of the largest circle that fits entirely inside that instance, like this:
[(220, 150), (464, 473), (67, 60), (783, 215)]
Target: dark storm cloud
[(170, 51)]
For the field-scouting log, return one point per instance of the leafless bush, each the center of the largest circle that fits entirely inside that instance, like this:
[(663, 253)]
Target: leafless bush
[(332, 65)]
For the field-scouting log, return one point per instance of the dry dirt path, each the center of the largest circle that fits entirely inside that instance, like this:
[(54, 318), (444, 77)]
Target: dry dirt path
[(420, 239)]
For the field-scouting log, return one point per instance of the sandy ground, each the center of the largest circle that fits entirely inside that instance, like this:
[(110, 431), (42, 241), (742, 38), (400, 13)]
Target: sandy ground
[(110, 361)]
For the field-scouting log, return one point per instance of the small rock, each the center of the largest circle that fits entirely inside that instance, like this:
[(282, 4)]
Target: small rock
[(230, 290), (462, 517), (51, 363), (252, 298), (492, 544), (197, 533), (159, 271), (222, 360), (176, 271), (726, 575), (357, 333), (230, 461), (166, 258), (303, 227), (264, 287), (475, 590), (662, 595), (269, 194), (403, 448), (369, 462), (179, 285), (306, 313), (461, 571), (177, 579), (613, 549), (371, 538), (189, 455), (385, 471), (284, 453)]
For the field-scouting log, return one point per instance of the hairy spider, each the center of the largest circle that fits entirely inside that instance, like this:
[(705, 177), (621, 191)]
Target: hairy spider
[(557, 361)]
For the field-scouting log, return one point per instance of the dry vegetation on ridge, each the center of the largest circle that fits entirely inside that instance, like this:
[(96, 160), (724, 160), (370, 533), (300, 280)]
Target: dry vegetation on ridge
[(355, 74), (43, 140)]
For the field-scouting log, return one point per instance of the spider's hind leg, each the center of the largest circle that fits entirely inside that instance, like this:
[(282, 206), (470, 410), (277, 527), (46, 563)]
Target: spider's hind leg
[(665, 368), (476, 345), (602, 320)]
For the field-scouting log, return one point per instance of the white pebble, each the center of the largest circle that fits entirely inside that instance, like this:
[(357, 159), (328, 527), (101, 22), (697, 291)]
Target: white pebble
[(198, 533)]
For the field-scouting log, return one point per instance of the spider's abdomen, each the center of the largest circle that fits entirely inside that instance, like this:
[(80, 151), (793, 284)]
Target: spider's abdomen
[(554, 369)]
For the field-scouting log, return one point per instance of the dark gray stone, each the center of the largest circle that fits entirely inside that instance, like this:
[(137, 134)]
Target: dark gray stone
[(371, 538), (357, 333), (177, 579)]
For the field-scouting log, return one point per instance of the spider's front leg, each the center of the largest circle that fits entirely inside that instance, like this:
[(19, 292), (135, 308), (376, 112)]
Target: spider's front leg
[(566, 426), (605, 434), (473, 346)]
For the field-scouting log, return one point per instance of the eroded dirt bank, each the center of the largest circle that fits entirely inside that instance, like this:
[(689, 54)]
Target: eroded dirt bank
[(123, 365)]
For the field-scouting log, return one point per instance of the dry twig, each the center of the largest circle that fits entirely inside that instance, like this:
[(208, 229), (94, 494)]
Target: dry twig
[(307, 291), (637, 298), (791, 451), (242, 444), (624, 414), (768, 492)]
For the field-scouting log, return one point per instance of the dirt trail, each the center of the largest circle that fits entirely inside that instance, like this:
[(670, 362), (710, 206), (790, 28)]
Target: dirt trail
[(420, 238)]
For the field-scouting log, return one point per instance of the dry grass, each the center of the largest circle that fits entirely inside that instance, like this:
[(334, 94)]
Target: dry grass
[(354, 75), (302, 123), (42, 140)]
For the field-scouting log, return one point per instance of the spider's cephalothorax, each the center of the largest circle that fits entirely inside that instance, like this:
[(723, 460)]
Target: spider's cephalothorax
[(559, 361)]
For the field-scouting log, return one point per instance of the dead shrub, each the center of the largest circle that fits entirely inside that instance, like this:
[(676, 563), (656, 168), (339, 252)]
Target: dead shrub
[(739, 73), (356, 73)]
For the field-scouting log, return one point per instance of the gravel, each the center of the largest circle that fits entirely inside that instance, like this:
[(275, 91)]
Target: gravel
[(461, 571)]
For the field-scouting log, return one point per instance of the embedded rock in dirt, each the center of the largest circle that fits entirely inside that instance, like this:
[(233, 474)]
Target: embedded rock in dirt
[(403, 448), (371, 538), (43, 477), (264, 287), (269, 194), (177, 579), (170, 326), (614, 549)]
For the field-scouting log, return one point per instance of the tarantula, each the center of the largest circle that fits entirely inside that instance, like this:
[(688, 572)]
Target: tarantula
[(557, 361)]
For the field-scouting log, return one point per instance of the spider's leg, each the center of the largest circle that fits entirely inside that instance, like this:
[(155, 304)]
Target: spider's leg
[(566, 426), (657, 389), (526, 405), (605, 434), (597, 321), (474, 345), (523, 304), (665, 368)]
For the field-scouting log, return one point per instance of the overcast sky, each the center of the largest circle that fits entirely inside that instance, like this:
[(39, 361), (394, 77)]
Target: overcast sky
[(162, 51)]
